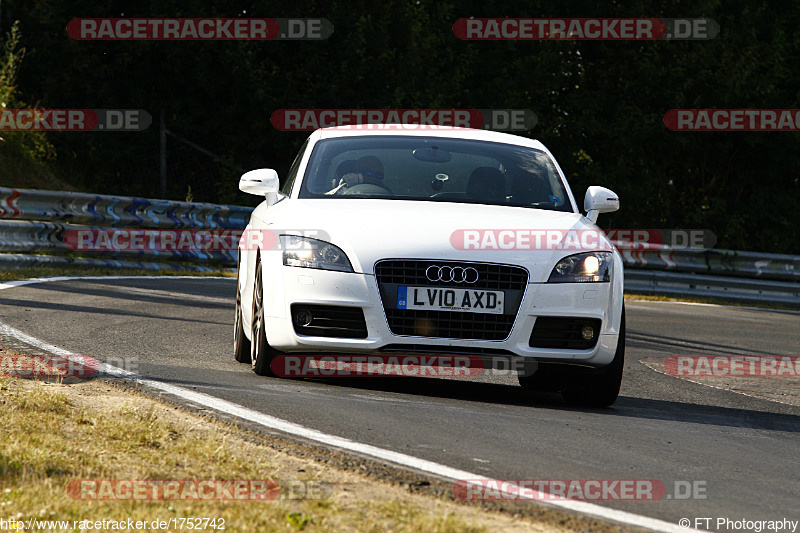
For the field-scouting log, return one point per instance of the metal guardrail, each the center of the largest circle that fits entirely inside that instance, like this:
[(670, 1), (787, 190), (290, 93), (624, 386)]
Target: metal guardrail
[(715, 262), (703, 286), (117, 211), (14, 261), (56, 238), (38, 221), (746, 277)]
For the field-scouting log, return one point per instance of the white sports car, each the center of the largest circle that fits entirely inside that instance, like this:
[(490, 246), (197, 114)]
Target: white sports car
[(435, 241)]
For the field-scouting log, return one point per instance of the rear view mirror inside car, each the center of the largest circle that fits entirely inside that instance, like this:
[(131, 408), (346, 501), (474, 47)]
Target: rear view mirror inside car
[(434, 154)]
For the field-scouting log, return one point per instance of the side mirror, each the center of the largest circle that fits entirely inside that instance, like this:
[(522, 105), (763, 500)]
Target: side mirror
[(261, 182), (599, 200)]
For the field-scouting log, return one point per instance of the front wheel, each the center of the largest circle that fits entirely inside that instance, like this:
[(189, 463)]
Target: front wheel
[(261, 353), (241, 345), (599, 388)]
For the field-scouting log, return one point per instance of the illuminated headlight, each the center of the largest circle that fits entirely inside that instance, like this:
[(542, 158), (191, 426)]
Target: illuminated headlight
[(312, 253), (580, 268)]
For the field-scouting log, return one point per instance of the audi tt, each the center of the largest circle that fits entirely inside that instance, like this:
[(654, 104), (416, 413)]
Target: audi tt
[(435, 241)]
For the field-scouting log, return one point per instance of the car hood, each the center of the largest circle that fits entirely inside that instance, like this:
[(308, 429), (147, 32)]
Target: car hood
[(369, 230)]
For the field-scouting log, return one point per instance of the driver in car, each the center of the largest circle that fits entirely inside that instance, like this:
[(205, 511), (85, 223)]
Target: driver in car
[(368, 169)]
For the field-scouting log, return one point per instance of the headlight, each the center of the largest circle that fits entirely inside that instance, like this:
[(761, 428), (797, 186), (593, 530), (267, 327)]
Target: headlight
[(587, 267), (312, 253)]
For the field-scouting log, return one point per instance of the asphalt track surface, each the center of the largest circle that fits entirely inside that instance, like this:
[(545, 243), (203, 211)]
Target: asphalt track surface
[(743, 452)]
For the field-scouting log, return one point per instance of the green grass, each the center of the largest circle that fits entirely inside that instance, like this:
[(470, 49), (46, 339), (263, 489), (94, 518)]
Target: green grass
[(52, 434), (713, 301)]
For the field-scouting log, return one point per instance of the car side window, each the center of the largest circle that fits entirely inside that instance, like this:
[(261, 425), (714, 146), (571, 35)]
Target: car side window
[(287, 186)]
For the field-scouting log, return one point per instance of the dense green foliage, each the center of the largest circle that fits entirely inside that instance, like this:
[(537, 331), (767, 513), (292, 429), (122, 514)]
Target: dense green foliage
[(32, 147), (600, 104)]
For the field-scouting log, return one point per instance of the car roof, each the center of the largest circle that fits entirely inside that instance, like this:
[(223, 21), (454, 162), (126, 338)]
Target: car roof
[(415, 130)]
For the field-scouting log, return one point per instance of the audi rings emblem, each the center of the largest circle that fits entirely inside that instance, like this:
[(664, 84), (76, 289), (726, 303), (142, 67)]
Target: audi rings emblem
[(451, 274)]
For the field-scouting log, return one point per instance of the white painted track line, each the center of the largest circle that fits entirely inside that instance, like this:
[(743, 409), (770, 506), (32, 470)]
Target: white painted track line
[(298, 430)]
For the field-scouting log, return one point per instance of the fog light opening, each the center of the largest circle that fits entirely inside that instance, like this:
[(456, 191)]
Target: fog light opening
[(303, 318), (587, 333)]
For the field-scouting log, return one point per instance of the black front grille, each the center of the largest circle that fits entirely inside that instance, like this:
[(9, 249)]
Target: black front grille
[(490, 276), (563, 333), (329, 321), (449, 324), (391, 274)]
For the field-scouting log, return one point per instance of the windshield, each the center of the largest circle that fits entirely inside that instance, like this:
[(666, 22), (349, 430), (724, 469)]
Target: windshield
[(434, 169)]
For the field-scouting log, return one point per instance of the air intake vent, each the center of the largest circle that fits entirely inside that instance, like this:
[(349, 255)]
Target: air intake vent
[(565, 333), (329, 321)]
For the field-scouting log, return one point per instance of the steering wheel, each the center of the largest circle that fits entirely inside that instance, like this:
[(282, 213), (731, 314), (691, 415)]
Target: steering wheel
[(368, 187)]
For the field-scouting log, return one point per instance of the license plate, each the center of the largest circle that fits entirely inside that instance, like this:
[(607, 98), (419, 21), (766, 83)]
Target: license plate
[(439, 299)]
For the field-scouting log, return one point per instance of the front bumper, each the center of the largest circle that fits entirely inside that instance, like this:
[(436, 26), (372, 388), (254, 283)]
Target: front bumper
[(320, 287)]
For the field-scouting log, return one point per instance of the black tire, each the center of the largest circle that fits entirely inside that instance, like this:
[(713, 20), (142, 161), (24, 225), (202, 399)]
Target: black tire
[(596, 388), (261, 353), (241, 344)]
